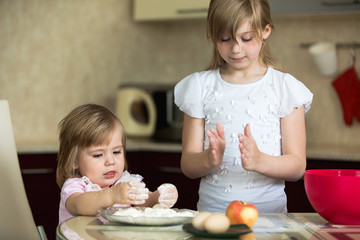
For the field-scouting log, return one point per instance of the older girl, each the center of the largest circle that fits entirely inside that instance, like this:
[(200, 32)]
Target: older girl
[(244, 126)]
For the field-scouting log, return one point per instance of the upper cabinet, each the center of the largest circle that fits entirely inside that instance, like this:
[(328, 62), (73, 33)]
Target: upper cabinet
[(147, 10), (169, 9), (297, 7)]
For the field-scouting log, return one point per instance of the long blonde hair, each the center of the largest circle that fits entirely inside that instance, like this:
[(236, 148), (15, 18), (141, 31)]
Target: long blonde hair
[(85, 126), (226, 16)]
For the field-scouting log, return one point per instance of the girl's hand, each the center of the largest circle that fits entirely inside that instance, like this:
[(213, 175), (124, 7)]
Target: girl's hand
[(217, 145), (168, 195), (138, 193), (249, 150), (132, 192)]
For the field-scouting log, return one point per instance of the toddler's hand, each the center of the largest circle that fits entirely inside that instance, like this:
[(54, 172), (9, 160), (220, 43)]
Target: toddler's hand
[(132, 192), (138, 193), (168, 195)]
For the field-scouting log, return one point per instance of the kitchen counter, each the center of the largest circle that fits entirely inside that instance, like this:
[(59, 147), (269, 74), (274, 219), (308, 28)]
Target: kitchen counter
[(150, 145), (335, 153)]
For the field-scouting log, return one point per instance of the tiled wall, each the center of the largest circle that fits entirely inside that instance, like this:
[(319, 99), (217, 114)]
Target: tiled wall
[(56, 55)]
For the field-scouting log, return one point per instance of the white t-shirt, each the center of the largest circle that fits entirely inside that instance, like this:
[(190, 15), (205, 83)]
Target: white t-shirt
[(262, 104)]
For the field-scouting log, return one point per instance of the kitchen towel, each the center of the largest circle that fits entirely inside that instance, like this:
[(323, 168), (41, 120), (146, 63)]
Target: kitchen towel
[(347, 86)]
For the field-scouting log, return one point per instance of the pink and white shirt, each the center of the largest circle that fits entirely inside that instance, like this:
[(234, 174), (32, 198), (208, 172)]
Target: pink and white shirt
[(82, 185)]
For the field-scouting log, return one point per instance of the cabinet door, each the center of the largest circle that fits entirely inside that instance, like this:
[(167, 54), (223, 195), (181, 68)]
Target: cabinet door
[(39, 176), (146, 10), (169, 9), (296, 7)]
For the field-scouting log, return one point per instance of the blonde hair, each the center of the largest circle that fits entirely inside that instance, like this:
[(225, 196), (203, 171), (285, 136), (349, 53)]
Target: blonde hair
[(226, 16), (85, 126)]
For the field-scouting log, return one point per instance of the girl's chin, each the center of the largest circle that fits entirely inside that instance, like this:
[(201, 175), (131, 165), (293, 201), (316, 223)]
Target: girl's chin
[(237, 67), (106, 184)]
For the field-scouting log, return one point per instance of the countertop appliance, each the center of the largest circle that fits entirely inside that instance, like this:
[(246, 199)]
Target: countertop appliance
[(148, 110), (136, 110)]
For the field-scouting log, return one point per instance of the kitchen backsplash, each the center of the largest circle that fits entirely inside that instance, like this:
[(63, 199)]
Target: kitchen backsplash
[(56, 55)]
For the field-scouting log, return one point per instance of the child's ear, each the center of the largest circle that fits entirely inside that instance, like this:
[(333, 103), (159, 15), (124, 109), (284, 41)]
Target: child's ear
[(266, 32), (75, 165)]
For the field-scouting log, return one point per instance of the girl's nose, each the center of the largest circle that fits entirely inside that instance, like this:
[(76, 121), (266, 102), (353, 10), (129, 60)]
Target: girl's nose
[(235, 47), (109, 160)]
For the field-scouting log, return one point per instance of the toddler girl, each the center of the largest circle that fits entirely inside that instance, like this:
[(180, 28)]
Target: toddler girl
[(91, 163)]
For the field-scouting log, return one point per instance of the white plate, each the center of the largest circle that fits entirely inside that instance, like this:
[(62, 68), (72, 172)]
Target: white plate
[(142, 216)]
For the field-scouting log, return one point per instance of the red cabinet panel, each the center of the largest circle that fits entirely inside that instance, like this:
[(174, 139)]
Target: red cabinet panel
[(39, 176)]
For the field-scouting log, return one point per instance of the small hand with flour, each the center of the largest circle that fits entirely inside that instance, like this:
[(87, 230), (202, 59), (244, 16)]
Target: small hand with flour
[(130, 191), (137, 192), (168, 195), (250, 153), (217, 145)]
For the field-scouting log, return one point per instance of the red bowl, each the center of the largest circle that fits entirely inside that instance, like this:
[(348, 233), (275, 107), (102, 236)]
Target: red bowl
[(334, 194)]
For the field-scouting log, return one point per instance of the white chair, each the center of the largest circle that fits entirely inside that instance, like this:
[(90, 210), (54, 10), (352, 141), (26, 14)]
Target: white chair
[(16, 220)]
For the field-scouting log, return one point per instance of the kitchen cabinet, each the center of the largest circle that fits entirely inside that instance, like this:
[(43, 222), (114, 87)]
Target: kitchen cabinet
[(169, 9), (296, 7), (39, 176), (147, 10)]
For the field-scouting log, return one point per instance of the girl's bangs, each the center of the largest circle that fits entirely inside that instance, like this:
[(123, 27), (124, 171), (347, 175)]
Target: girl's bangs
[(230, 21), (100, 135)]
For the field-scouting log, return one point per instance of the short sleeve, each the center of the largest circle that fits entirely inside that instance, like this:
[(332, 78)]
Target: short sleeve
[(188, 94), (294, 94), (71, 186)]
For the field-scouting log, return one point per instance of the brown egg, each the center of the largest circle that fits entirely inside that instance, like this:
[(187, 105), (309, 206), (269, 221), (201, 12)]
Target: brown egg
[(217, 223)]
